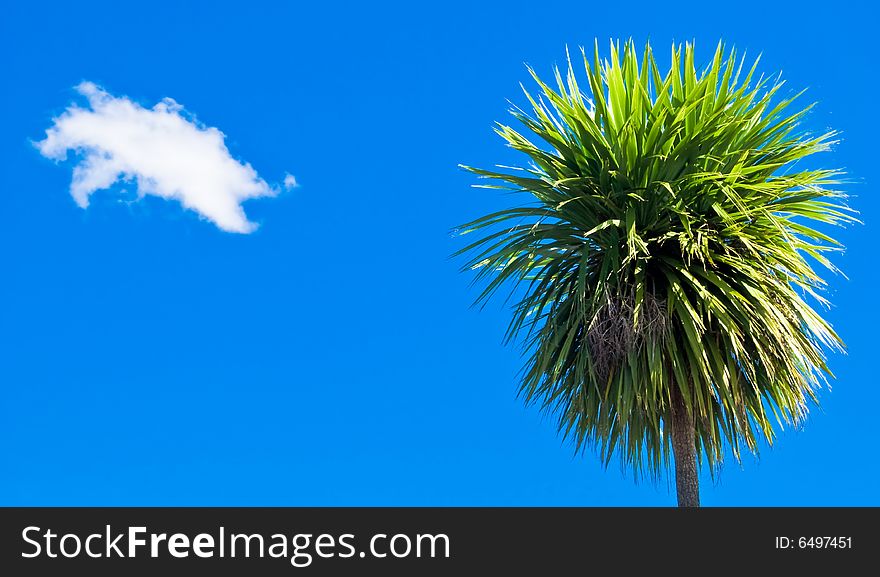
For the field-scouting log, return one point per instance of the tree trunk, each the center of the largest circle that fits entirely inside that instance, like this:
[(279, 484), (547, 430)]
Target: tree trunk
[(684, 452)]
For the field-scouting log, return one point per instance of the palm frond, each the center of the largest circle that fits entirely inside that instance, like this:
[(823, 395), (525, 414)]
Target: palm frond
[(669, 241)]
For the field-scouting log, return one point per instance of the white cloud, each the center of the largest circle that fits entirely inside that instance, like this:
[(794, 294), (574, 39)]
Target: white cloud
[(290, 181), (168, 155)]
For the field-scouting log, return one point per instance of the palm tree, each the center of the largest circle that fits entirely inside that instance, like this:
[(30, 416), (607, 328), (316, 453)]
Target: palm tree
[(661, 267)]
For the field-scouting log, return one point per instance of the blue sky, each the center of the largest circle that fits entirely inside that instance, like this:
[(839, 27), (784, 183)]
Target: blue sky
[(148, 357)]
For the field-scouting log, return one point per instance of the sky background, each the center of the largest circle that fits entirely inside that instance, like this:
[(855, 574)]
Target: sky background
[(331, 358)]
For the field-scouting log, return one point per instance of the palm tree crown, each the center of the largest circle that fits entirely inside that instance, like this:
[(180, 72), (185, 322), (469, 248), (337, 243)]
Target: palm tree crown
[(666, 253)]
